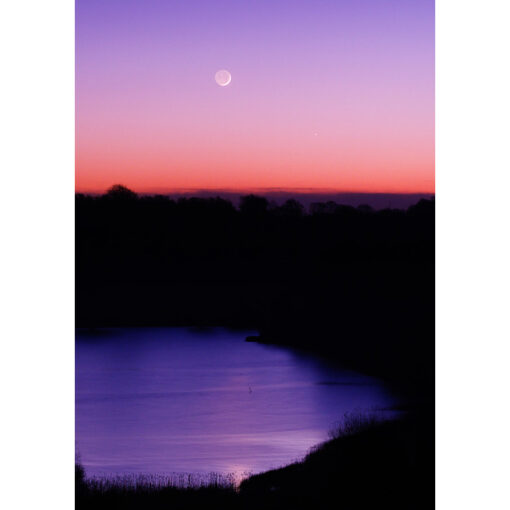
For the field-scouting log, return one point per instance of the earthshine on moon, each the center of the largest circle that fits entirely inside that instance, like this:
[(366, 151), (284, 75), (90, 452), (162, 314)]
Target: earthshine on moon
[(223, 78)]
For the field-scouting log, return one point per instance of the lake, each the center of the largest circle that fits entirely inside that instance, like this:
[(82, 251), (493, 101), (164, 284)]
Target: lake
[(175, 400)]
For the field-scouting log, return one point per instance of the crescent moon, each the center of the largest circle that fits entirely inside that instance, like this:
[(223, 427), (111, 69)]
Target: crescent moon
[(223, 78)]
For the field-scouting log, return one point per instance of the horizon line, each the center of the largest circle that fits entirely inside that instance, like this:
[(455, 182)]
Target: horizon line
[(300, 191)]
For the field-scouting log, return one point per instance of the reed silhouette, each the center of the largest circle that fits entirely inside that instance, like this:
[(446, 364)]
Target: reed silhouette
[(368, 463), (352, 283)]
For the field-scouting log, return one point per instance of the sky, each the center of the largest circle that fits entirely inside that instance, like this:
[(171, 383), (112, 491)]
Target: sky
[(326, 95)]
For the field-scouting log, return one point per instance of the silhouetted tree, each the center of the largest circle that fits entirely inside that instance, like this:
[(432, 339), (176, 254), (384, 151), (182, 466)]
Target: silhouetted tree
[(324, 207), (120, 192), (423, 208), (292, 208), (253, 205)]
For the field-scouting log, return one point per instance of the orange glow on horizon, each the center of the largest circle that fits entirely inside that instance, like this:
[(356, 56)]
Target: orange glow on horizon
[(341, 100)]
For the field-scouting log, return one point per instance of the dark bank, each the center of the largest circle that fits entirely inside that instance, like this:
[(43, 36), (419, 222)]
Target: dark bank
[(352, 284)]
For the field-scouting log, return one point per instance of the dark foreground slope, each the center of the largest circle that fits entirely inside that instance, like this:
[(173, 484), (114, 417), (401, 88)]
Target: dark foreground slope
[(367, 465), (387, 465), (353, 283)]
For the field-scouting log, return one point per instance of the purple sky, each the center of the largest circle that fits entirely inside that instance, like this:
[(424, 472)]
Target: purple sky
[(325, 94)]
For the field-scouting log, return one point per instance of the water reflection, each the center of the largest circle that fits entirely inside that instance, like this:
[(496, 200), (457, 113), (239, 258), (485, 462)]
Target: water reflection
[(176, 400)]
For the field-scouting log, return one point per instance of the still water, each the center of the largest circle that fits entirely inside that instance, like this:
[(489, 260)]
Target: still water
[(163, 401)]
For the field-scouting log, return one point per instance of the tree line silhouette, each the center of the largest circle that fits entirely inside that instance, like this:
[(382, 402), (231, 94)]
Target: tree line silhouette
[(353, 283)]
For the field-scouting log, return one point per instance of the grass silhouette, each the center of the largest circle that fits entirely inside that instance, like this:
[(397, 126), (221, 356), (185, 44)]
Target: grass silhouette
[(367, 463)]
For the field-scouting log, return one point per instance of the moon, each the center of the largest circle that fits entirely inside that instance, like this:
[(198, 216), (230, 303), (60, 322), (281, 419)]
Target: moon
[(223, 78)]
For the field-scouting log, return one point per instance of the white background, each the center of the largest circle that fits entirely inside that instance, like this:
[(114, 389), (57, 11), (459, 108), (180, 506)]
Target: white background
[(37, 254)]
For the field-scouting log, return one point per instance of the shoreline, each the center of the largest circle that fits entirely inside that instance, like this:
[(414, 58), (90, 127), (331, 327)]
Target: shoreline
[(356, 456)]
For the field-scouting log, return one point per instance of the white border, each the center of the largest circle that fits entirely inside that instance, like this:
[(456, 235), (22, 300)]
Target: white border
[(472, 234), (37, 255)]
